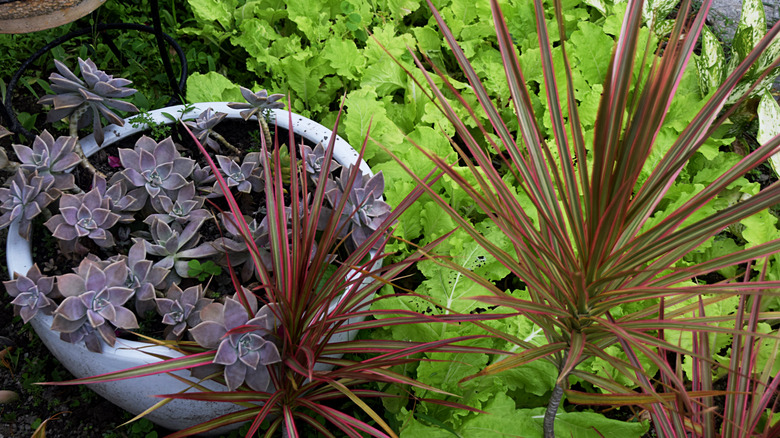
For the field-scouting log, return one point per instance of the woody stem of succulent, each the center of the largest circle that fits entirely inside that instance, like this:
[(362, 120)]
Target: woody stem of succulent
[(74, 132), (264, 125), (225, 143)]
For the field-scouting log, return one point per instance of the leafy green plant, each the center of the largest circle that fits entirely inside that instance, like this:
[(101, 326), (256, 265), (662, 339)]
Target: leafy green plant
[(144, 120), (605, 278), (204, 270)]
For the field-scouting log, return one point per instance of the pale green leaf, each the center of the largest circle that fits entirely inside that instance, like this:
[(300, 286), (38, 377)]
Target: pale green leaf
[(751, 28), (769, 125), (598, 4), (402, 8), (214, 10), (759, 228), (385, 76), (212, 87), (592, 50), (344, 57), (364, 109), (711, 63)]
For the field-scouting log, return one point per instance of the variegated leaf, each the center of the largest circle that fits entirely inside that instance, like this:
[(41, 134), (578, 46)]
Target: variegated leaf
[(653, 11), (769, 125), (751, 28), (598, 4), (711, 63)]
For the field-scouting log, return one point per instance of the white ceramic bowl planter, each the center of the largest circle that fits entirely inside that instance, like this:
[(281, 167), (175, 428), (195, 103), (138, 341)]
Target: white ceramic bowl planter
[(136, 395)]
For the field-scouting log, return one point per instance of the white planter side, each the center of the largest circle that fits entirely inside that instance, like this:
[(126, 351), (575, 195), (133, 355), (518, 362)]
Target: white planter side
[(136, 395)]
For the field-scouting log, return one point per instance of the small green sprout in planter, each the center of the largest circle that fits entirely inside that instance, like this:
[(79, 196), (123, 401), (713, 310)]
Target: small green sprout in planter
[(158, 131), (204, 270)]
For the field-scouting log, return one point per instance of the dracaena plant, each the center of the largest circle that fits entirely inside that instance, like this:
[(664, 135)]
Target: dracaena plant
[(587, 247), (270, 344)]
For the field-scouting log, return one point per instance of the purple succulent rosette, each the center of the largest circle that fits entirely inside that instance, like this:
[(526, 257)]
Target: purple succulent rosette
[(26, 197), (155, 166), (257, 102), (98, 92), (32, 294), (204, 181), (246, 177), (235, 247), (181, 309), (142, 277), (186, 206), (50, 158), (243, 345), (177, 246), (203, 126), (314, 161), (84, 215), (122, 202), (94, 300), (364, 207)]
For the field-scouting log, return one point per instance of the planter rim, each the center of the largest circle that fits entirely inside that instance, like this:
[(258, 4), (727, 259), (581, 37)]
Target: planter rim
[(134, 353)]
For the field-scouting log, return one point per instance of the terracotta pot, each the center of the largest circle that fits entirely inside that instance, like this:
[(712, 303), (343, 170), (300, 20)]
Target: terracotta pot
[(136, 395)]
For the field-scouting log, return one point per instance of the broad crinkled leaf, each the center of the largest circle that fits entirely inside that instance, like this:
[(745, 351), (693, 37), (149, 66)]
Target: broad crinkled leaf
[(344, 57), (402, 8), (310, 18), (212, 87), (364, 110), (452, 289), (592, 49), (214, 10)]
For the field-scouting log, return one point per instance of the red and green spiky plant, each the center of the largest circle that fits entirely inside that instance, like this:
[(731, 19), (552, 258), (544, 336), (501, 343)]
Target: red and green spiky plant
[(315, 300), (588, 250)]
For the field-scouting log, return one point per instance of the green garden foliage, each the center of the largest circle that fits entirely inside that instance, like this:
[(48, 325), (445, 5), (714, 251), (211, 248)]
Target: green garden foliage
[(319, 52)]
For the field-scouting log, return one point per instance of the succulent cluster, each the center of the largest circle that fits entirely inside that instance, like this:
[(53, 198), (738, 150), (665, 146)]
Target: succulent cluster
[(41, 176), (135, 234), (154, 204)]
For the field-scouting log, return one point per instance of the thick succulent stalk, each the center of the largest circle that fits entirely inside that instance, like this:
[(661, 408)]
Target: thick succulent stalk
[(74, 132), (225, 143), (552, 409), (264, 126)]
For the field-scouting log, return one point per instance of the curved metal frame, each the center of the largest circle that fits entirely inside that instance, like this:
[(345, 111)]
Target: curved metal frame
[(178, 88)]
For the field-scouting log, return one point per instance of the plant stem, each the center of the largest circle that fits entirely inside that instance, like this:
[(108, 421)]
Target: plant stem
[(266, 131), (552, 409), (74, 132), (225, 143)]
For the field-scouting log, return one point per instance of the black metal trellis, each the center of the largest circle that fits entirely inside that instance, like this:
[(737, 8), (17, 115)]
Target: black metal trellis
[(6, 109)]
